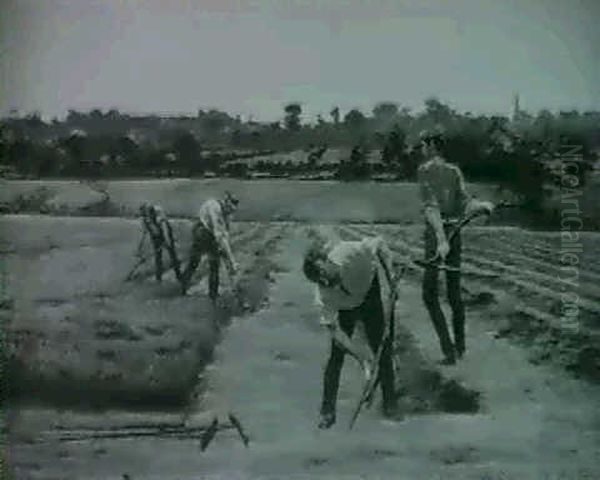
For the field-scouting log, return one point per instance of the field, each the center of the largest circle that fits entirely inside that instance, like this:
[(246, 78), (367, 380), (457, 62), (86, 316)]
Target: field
[(80, 333), (112, 377), (261, 200)]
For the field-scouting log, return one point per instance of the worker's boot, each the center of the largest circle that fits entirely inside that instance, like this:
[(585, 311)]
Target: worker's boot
[(391, 411), (326, 420), (448, 360)]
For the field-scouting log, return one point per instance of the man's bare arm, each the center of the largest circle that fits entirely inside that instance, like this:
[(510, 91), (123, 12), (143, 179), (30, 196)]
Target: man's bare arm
[(432, 211), (434, 218), (469, 204), (346, 343)]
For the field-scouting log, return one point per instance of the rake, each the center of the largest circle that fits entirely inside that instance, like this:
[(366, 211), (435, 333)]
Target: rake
[(367, 395), (436, 260)]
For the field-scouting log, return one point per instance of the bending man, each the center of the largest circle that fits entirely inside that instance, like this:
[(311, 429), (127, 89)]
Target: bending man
[(353, 282), (210, 235)]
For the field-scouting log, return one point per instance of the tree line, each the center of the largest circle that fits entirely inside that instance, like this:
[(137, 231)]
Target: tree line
[(516, 152)]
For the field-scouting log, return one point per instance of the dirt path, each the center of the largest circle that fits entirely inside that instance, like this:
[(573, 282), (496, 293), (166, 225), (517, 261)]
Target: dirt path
[(534, 424)]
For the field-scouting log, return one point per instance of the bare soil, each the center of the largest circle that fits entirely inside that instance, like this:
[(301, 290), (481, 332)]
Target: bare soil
[(113, 379)]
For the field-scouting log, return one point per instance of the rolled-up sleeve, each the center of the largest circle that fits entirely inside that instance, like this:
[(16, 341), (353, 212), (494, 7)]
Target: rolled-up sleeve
[(464, 199)]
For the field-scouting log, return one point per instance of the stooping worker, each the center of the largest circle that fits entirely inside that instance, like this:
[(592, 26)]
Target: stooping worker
[(445, 201), (353, 284), (153, 219), (210, 235)]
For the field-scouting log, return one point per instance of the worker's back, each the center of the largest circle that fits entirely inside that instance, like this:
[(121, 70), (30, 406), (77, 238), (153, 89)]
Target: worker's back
[(211, 215), (442, 185)]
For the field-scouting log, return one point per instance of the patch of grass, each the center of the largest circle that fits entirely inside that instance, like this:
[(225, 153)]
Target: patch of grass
[(173, 350), (157, 330), (455, 455), (106, 354), (111, 329), (578, 352), (35, 201)]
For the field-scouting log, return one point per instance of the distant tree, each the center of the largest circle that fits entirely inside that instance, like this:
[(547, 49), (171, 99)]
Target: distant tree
[(384, 112), (236, 137), (126, 149), (19, 153), (315, 154), (357, 155), (544, 123), (394, 154), (437, 111), (214, 121), (531, 177), (188, 151), (545, 115), (125, 145), (354, 120), (48, 161), (356, 167), (335, 115), (96, 114), (236, 169), (405, 114), (255, 139), (73, 116), (76, 145), (113, 114), (568, 114), (292, 116), (34, 120)]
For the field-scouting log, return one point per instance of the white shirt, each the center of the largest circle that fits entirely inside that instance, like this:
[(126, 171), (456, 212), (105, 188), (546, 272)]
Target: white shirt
[(211, 216), (358, 262)]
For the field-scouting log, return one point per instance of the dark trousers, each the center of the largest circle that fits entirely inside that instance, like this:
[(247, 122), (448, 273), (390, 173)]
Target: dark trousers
[(203, 242), (370, 312), (431, 295), (157, 246)]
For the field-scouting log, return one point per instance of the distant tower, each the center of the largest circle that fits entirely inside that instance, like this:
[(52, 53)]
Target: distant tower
[(516, 108)]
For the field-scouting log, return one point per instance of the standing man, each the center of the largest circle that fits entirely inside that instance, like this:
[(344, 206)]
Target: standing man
[(445, 201), (353, 284), (210, 235)]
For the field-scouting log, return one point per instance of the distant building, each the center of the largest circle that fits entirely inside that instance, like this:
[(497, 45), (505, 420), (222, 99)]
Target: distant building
[(516, 113), (519, 118)]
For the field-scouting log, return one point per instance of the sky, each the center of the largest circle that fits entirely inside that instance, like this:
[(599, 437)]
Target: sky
[(251, 57)]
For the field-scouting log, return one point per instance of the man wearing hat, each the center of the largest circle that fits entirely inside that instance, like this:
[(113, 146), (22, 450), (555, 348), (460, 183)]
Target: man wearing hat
[(210, 235), (445, 201)]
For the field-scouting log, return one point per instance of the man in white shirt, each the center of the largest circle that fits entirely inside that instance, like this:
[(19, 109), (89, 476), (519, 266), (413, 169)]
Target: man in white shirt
[(353, 283), (211, 236)]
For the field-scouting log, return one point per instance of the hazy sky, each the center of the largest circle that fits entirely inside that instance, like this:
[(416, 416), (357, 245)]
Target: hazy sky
[(250, 57)]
